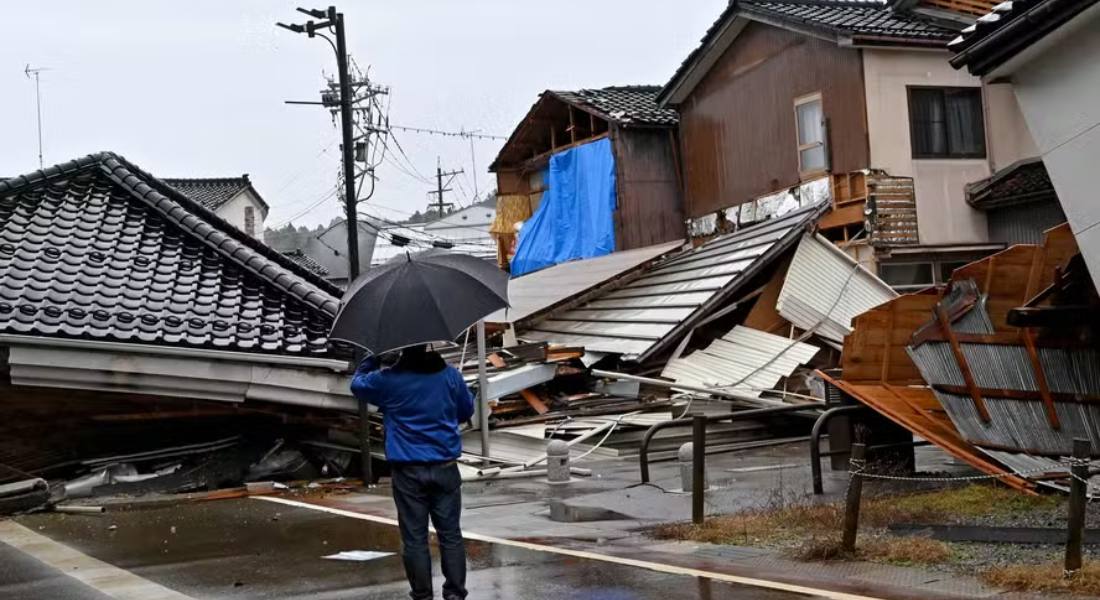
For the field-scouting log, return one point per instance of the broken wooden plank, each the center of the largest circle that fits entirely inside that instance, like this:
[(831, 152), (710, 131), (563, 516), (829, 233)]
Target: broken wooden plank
[(535, 402)]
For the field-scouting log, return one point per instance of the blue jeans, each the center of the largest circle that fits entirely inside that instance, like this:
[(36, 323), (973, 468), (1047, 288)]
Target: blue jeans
[(431, 491)]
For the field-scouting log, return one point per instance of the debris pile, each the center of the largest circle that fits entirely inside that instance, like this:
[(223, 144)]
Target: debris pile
[(1000, 369)]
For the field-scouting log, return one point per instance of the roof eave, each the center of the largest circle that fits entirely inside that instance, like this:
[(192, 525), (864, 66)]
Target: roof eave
[(689, 75), (880, 41), (718, 42), (1019, 34)]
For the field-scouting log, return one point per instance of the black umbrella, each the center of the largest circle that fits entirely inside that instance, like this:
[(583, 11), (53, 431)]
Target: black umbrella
[(420, 298)]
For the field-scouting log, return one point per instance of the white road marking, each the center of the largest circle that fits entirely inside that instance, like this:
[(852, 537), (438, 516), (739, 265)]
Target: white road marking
[(97, 574), (652, 566)]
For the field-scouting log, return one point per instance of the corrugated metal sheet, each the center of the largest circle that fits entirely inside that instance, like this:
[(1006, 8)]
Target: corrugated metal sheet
[(1024, 463), (534, 293), (646, 315), (1014, 423), (745, 360), (1024, 224), (825, 289)]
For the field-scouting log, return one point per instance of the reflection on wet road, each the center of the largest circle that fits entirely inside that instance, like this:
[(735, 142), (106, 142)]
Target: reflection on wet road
[(248, 550)]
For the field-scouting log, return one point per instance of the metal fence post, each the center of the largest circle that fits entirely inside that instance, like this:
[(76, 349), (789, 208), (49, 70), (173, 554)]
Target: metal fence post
[(698, 475), (855, 491), (1078, 499)]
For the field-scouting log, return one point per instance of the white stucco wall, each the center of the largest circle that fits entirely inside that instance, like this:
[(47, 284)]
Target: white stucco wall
[(233, 211), (1058, 86), (943, 215)]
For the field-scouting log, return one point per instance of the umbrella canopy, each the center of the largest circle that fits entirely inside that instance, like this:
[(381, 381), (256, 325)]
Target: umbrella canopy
[(420, 298)]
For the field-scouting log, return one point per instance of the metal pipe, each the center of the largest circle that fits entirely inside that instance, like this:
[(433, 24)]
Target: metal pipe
[(22, 487), (912, 444), (672, 385), (508, 475), (80, 510), (643, 456), (815, 440), (483, 408)]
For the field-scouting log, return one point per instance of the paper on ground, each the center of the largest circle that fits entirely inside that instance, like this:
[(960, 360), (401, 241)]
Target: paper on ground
[(359, 555)]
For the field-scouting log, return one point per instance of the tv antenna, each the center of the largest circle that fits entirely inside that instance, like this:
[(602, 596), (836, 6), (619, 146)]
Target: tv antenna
[(29, 72)]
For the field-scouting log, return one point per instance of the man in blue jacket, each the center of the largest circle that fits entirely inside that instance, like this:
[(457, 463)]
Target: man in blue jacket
[(423, 400)]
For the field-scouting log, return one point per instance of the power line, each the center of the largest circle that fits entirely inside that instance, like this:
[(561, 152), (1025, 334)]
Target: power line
[(458, 134), (319, 201), (397, 143)]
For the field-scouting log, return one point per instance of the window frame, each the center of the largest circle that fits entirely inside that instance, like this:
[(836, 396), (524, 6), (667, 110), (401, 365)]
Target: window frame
[(947, 155), (250, 223), (802, 171)]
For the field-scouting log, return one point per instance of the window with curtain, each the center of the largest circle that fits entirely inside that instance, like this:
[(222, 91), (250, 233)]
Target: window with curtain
[(947, 122), (810, 119)]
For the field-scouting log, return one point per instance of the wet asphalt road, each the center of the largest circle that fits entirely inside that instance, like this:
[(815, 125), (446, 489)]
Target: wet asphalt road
[(251, 550)]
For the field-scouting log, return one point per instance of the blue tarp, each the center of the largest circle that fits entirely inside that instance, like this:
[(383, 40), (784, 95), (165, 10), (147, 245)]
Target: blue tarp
[(576, 217)]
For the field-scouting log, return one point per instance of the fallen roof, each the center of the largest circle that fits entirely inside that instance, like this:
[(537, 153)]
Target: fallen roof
[(1019, 183), (646, 315), (825, 289), (864, 22), (214, 192), (917, 410), (1008, 30), (98, 249), (543, 290), (744, 360)]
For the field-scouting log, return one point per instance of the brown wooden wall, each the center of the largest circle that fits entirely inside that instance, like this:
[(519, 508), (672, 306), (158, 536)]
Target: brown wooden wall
[(738, 126), (648, 193)]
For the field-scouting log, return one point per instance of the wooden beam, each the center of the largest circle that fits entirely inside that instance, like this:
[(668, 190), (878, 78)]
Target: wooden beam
[(1032, 395), (553, 138), (572, 126), (538, 158), (964, 366), (535, 402), (1041, 379)]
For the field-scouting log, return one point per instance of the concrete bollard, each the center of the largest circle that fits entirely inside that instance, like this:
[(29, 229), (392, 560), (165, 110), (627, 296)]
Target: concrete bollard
[(557, 463), (685, 456)]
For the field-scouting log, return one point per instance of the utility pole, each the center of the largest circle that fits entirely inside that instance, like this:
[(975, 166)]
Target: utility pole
[(441, 188), (334, 22)]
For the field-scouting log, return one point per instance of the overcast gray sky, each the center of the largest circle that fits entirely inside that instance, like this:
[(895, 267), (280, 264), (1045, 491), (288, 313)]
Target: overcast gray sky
[(196, 88)]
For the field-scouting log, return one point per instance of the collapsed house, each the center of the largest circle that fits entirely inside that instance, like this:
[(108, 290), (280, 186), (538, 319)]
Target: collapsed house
[(134, 320), (1000, 369)]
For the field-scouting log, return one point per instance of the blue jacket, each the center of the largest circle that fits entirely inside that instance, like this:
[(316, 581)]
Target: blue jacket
[(421, 412)]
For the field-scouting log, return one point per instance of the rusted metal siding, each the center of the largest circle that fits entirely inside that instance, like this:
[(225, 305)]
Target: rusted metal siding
[(738, 128), (649, 210)]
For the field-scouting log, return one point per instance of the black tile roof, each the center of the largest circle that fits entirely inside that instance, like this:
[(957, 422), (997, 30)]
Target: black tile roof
[(307, 262), (855, 18), (213, 192), (1019, 183), (96, 248), (1010, 28), (626, 105), (874, 21)]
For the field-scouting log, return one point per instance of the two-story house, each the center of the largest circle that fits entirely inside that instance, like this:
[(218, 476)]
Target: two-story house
[(231, 198), (855, 99)]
